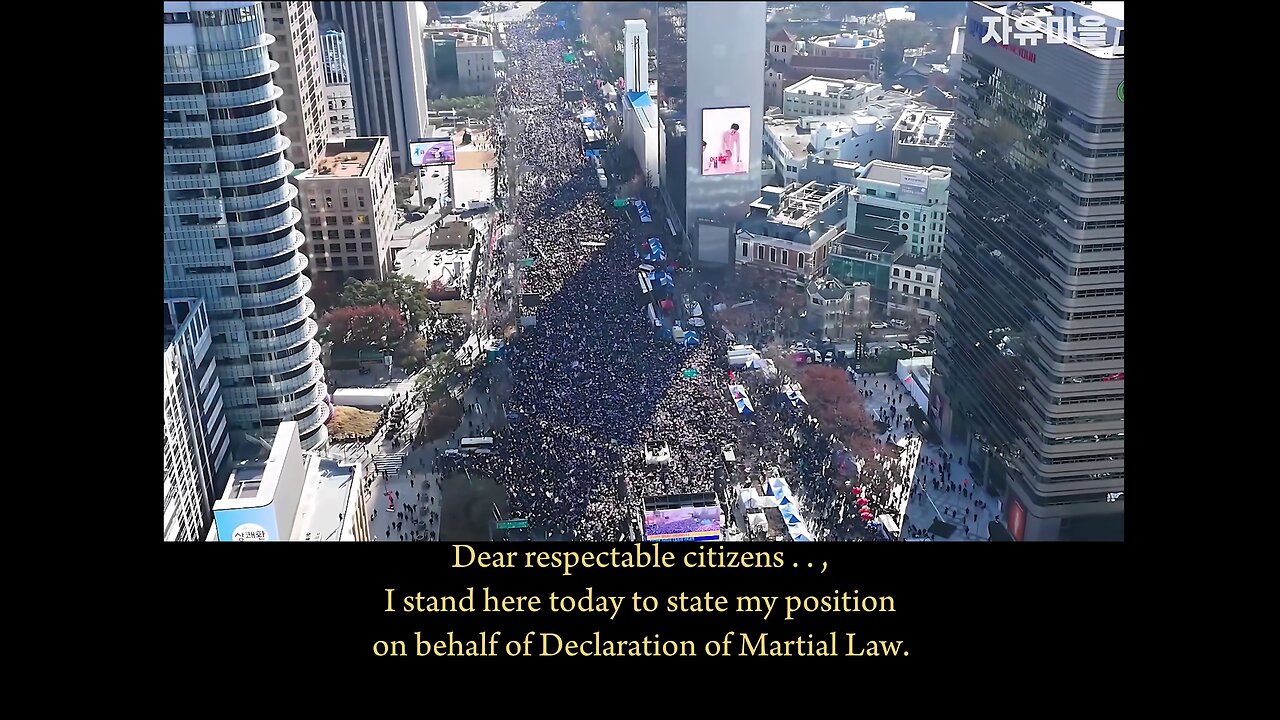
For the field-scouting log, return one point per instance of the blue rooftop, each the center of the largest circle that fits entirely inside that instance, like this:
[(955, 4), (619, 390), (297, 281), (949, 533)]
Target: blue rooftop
[(639, 99)]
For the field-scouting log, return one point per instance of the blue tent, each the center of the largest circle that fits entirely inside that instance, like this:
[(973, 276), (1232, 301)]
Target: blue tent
[(691, 339)]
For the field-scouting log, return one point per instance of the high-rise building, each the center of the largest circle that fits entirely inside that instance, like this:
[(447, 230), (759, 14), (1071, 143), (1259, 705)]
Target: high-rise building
[(724, 46), (388, 69), (636, 55), (296, 51), (348, 210), (1032, 322), (229, 235), (337, 83), (195, 432)]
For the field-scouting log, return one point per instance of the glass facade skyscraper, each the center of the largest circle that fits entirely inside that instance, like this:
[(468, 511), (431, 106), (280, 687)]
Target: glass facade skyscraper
[(229, 235), (1030, 368)]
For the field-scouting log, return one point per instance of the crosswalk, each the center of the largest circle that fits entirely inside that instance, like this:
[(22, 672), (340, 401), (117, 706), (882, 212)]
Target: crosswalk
[(389, 463)]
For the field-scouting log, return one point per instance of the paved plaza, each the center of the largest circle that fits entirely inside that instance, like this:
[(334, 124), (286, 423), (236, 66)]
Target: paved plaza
[(923, 461)]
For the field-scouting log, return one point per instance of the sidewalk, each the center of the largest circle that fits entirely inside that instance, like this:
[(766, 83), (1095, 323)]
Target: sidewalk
[(415, 477), (926, 503)]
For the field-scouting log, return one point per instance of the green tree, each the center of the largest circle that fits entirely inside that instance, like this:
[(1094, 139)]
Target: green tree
[(399, 291), (433, 384)]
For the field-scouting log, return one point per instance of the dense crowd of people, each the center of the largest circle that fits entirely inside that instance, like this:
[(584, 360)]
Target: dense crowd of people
[(591, 380)]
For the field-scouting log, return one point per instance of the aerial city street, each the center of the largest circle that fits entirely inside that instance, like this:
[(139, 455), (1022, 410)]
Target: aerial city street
[(644, 271)]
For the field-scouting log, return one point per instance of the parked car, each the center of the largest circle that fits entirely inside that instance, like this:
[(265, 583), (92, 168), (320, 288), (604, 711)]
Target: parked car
[(898, 323), (879, 325), (924, 339)]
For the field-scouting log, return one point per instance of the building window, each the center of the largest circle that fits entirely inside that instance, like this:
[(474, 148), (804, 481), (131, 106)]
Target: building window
[(895, 273), (929, 279), (349, 234), (322, 261), (915, 290), (333, 234), (330, 220), (335, 247), (928, 292), (346, 219), (360, 200), (746, 253), (784, 257), (314, 221), (919, 277), (345, 203), (317, 234), (328, 202), (337, 262), (313, 203), (760, 252), (816, 301), (365, 234), (893, 285), (366, 247), (368, 259), (362, 219), (800, 260), (773, 254), (351, 247)]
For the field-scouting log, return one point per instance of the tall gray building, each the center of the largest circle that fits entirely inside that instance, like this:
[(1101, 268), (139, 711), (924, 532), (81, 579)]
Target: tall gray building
[(297, 55), (1030, 374), (388, 69), (229, 235), (724, 46), (196, 442)]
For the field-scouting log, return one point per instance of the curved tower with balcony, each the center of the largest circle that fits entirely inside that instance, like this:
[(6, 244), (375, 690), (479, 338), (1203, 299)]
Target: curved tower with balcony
[(229, 218)]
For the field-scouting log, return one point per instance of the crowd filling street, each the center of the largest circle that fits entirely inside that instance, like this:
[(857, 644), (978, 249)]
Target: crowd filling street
[(588, 380)]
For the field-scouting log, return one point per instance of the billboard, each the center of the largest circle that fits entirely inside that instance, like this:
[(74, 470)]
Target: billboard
[(914, 188), (436, 151), (253, 524), (682, 524), (726, 141)]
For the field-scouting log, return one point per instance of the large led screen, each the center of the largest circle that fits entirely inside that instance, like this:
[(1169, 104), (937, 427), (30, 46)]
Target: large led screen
[(726, 141), (437, 151), (683, 524)]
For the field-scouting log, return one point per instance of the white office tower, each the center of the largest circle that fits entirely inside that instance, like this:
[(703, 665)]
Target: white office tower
[(636, 68), (337, 84), (229, 234), (195, 431), (388, 67)]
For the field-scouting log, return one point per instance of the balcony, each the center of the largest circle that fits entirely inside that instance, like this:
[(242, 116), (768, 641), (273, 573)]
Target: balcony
[(287, 218), (278, 344), (245, 203), (269, 146), (282, 318), (267, 173), (294, 265), (292, 385), (296, 289), (256, 62), (175, 156), (241, 98), (280, 411), (293, 362), (291, 242), (187, 129), (253, 123)]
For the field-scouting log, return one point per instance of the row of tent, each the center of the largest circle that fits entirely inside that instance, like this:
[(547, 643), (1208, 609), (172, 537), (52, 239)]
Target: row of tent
[(796, 528)]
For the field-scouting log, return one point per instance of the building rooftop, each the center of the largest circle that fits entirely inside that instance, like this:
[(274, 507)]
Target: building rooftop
[(918, 261), (345, 158), (851, 41), (891, 172), (800, 205), (325, 497), (931, 128), (834, 88), (463, 35)]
